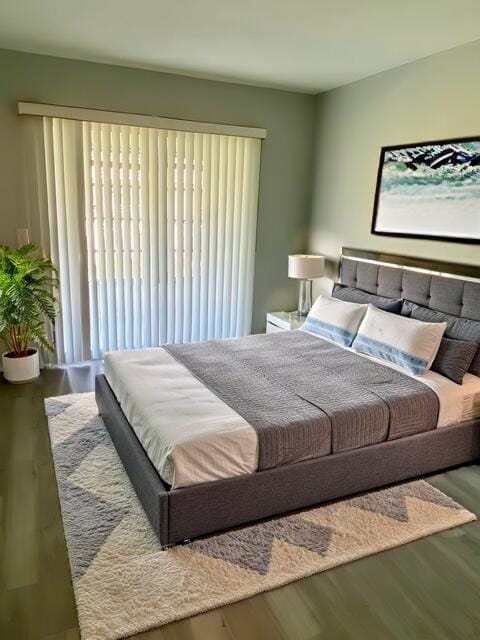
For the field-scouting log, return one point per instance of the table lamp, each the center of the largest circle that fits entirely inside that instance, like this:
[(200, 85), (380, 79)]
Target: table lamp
[(305, 268)]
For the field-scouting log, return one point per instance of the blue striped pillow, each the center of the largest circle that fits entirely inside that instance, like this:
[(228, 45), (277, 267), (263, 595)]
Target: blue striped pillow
[(410, 344), (335, 320)]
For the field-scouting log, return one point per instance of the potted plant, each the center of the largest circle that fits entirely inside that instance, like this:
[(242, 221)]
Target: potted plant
[(27, 302)]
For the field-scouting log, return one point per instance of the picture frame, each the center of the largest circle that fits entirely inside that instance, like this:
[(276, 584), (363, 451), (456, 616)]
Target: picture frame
[(429, 190)]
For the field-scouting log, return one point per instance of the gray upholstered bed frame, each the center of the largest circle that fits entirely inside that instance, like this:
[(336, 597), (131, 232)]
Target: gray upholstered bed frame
[(182, 514)]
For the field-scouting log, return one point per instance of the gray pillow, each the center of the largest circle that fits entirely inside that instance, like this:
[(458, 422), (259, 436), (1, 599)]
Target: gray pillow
[(454, 358), (457, 328), (352, 294)]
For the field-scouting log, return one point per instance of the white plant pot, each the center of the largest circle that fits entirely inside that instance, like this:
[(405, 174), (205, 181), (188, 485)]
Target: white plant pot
[(20, 370)]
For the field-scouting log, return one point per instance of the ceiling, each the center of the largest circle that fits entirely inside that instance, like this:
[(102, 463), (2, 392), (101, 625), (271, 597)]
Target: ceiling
[(303, 45)]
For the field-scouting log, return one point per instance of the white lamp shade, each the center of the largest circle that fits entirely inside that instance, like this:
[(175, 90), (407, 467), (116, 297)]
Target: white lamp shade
[(305, 267)]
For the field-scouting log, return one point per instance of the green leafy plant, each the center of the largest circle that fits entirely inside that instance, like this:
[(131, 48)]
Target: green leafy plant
[(28, 284)]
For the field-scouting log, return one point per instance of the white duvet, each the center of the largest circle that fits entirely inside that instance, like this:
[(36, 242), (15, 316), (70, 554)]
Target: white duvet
[(191, 436)]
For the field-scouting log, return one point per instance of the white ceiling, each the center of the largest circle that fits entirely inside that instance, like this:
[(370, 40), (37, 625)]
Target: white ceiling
[(304, 45)]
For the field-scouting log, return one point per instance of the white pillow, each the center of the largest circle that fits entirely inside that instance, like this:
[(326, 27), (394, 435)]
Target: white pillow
[(409, 343), (335, 320)]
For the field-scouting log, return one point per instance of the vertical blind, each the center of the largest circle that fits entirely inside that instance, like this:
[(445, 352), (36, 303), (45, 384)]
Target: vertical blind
[(153, 232)]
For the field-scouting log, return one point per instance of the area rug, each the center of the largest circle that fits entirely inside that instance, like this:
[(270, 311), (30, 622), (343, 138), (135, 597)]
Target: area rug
[(124, 583)]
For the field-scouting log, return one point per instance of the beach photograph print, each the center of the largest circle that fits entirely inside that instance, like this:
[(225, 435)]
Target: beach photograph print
[(430, 190)]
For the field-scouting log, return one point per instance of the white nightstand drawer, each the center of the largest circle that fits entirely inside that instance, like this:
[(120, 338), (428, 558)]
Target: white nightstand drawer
[(273, 328)]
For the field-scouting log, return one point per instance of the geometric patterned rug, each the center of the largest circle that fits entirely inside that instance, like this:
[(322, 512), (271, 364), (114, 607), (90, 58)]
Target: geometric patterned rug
[(124, 583)]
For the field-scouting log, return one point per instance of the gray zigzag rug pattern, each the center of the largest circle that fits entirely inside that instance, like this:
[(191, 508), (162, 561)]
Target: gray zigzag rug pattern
[(124, 583)]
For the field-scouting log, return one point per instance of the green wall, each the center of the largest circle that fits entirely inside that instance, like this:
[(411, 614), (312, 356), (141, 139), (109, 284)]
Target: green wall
[(437, 97), (285, 181), (434, 98)]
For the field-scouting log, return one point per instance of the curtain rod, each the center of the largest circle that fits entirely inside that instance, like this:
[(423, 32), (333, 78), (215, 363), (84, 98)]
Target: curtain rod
[(137, 120)]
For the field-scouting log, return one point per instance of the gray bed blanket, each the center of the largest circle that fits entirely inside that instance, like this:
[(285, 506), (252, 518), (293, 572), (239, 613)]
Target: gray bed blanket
[(306, 397)]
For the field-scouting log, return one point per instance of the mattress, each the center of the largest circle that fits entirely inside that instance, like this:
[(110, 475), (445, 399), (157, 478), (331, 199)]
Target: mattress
[(191, 436)]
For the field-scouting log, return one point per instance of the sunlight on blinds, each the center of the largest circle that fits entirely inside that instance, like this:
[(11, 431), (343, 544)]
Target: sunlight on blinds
[(155, 228)]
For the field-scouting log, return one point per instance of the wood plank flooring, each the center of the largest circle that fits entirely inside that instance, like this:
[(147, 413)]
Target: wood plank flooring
[(426, 590)]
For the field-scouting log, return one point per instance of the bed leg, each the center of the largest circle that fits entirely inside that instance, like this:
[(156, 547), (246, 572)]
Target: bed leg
[(170, 545)]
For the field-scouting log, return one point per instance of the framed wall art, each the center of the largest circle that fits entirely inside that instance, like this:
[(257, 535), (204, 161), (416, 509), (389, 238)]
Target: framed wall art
[(429, 190)]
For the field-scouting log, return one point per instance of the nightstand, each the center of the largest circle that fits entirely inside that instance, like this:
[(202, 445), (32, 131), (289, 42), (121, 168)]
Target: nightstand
[(283, 321)]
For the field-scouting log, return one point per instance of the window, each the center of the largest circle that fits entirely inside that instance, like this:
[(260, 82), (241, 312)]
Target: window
[(154, 234)]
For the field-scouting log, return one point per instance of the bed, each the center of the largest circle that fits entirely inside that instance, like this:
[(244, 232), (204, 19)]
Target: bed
[(254, 428)]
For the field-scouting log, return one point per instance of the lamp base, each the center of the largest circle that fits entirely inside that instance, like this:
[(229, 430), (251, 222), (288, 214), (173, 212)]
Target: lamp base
[(304, 298)]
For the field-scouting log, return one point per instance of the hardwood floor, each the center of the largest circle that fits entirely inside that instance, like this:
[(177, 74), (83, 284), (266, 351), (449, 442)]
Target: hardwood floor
[(429, 589)]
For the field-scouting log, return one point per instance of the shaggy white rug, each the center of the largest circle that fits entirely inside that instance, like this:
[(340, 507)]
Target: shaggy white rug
[(124, 583)]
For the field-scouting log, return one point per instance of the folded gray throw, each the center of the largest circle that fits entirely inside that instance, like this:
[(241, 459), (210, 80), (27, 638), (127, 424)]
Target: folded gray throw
[(306, 397)]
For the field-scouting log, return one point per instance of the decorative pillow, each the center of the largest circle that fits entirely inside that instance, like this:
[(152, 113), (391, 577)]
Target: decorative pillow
[(454, 358), (352, 294), (411, 344), (457, 328), (335, 320)]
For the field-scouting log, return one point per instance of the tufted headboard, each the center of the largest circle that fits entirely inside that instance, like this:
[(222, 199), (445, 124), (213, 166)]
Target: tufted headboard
[(447, 292)]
